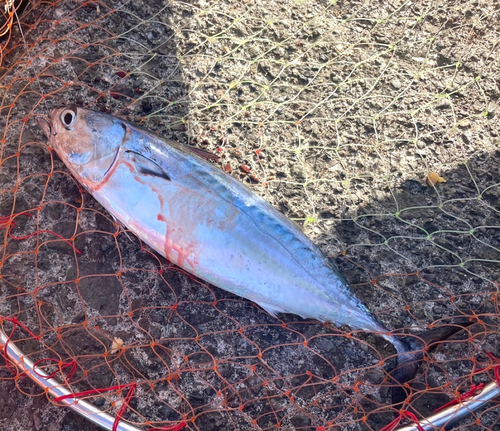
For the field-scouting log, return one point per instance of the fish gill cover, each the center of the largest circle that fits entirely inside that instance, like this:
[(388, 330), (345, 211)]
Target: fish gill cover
[(375, 125)]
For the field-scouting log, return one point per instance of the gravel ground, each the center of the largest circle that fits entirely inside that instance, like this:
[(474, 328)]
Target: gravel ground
[(335, 112)]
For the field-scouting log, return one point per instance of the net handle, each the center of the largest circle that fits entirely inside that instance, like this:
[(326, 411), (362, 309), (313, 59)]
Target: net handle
[(456, 412), (55, 389)]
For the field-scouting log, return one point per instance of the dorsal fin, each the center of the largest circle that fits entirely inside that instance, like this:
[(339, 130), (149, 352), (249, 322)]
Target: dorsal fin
[(204, 154)]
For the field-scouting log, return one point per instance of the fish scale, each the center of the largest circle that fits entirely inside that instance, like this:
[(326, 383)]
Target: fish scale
[(267, 219)]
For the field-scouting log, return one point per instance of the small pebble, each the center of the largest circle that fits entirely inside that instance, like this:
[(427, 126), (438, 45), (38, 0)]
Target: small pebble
[(396, 83)]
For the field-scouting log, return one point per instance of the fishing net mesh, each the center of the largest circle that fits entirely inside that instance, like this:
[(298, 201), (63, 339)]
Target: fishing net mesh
[(374, 125)]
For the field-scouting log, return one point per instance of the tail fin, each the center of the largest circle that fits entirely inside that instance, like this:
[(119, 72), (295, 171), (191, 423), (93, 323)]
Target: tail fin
[(410, 354)]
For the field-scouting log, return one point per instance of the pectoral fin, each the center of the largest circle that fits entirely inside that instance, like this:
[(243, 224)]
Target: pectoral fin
[(146, 166)]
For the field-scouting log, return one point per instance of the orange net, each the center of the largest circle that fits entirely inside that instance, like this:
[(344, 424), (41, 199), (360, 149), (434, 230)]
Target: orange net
[(335, 112)]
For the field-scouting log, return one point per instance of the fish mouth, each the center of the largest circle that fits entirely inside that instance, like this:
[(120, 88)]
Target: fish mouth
[(46, 127)]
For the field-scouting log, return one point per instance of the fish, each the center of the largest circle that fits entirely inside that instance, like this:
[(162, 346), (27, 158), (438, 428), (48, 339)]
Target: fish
[(210, 224)]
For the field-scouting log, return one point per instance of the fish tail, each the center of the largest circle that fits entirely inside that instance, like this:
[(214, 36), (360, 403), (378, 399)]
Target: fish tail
[(411, 353)]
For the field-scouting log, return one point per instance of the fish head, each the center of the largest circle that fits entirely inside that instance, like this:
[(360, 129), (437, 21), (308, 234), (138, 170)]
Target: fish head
[(88, 142)]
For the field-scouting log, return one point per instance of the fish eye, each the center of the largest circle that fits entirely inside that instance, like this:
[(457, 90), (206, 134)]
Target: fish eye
[(68, 118)]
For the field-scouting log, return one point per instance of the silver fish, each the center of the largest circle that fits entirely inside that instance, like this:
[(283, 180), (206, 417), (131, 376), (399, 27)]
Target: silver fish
[(208, 223)]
